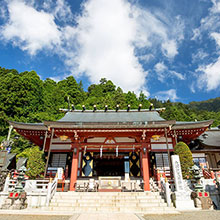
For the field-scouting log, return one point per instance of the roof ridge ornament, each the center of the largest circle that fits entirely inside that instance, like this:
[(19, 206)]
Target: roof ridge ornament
[(117, 108), (139, 107), (129, 107), (151, 106)]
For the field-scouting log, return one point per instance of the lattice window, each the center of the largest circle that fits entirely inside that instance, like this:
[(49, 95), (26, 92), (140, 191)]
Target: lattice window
[(59, 160), (162, 160)]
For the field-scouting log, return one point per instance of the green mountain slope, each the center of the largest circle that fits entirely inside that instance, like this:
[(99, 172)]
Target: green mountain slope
[(208, 105)]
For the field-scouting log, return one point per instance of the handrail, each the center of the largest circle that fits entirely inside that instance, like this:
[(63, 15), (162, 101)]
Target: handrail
[(52, 187), (165, 189)]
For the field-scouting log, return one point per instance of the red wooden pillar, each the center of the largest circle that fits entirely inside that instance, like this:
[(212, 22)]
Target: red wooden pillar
[(74, 169), (145, 168)]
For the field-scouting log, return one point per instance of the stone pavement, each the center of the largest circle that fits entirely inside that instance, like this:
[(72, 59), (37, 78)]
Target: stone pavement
[(21, 215), (107, 216), (40, 216), (187, 215)]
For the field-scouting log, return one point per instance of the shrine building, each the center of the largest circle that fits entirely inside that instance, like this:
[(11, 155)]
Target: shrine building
[(127, 143)]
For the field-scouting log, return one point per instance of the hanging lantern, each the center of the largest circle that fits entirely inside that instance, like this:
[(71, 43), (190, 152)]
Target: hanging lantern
[(156, 137), (63, 138)]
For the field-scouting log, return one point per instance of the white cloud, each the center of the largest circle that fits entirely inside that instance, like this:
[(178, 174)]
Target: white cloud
[(163, 72), (216, 6), (216, 36), (200, 55), (105, 34), (169, 48), (178, 75), (169, 94), (108, 48), (103, 41), (210, 23), (161, 69), (59, 8), (146, 58), (210, 76), (30, 29), (192, 87)]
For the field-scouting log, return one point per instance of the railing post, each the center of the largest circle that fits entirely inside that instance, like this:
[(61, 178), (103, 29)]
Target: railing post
[(167, 191), (48, 193), (6, 186)]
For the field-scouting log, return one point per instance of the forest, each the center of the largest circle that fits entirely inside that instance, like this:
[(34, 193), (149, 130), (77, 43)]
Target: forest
[(24, 97)]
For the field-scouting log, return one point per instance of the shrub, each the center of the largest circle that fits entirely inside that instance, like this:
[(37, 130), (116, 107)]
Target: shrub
[(35, 163), (186, 159)]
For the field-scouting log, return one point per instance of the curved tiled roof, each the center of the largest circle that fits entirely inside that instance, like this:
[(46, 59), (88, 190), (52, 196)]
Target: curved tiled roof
[(111, 116), (211, 138)]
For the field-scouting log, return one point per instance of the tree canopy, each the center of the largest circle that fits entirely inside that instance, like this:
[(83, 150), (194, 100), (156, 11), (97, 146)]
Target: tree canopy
[(186, 159)]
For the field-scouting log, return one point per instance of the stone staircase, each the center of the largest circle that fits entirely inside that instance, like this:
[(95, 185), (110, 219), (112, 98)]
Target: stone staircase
[(132, 202)]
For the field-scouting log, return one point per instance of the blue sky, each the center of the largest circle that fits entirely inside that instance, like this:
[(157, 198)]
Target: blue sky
[(168, 49)]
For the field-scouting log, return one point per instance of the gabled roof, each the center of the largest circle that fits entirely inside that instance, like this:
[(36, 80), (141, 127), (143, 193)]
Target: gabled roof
[(111, 116), (111, 119)]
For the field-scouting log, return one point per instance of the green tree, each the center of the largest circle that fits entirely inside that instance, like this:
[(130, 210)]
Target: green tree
[(35, 164), (143, 100), (186, 159), (131, 99)]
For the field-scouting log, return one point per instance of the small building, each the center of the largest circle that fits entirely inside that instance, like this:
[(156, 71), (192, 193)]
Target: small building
[(206, 150), (94, 143)]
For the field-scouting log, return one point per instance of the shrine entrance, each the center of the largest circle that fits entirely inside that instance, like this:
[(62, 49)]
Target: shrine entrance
[(109, 165)]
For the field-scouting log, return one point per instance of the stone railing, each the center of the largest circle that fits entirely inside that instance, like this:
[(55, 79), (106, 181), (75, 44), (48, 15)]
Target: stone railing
[(165, 189), (51, 189), (39, 192)]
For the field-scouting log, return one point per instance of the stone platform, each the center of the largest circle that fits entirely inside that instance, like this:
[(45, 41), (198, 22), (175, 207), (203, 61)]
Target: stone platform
[(109, 202)]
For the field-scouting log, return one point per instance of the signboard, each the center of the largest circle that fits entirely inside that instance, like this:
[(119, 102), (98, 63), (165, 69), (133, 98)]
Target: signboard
[(3, 155), (60, 173), (177, 173)]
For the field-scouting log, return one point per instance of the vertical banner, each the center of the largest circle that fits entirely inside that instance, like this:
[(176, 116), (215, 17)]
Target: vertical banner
[(87, 166), (134, 161)]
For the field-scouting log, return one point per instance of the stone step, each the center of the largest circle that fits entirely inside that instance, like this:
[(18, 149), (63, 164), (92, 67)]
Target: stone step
[(112, 204), (104, 195), (107, 193), (107, 198), (110, 209), (147, 202), (101, 200)]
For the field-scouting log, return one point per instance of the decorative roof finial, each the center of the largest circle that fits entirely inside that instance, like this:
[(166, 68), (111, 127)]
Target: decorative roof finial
[(139, 107), (128, 109), (117, 108), (151, 106)]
